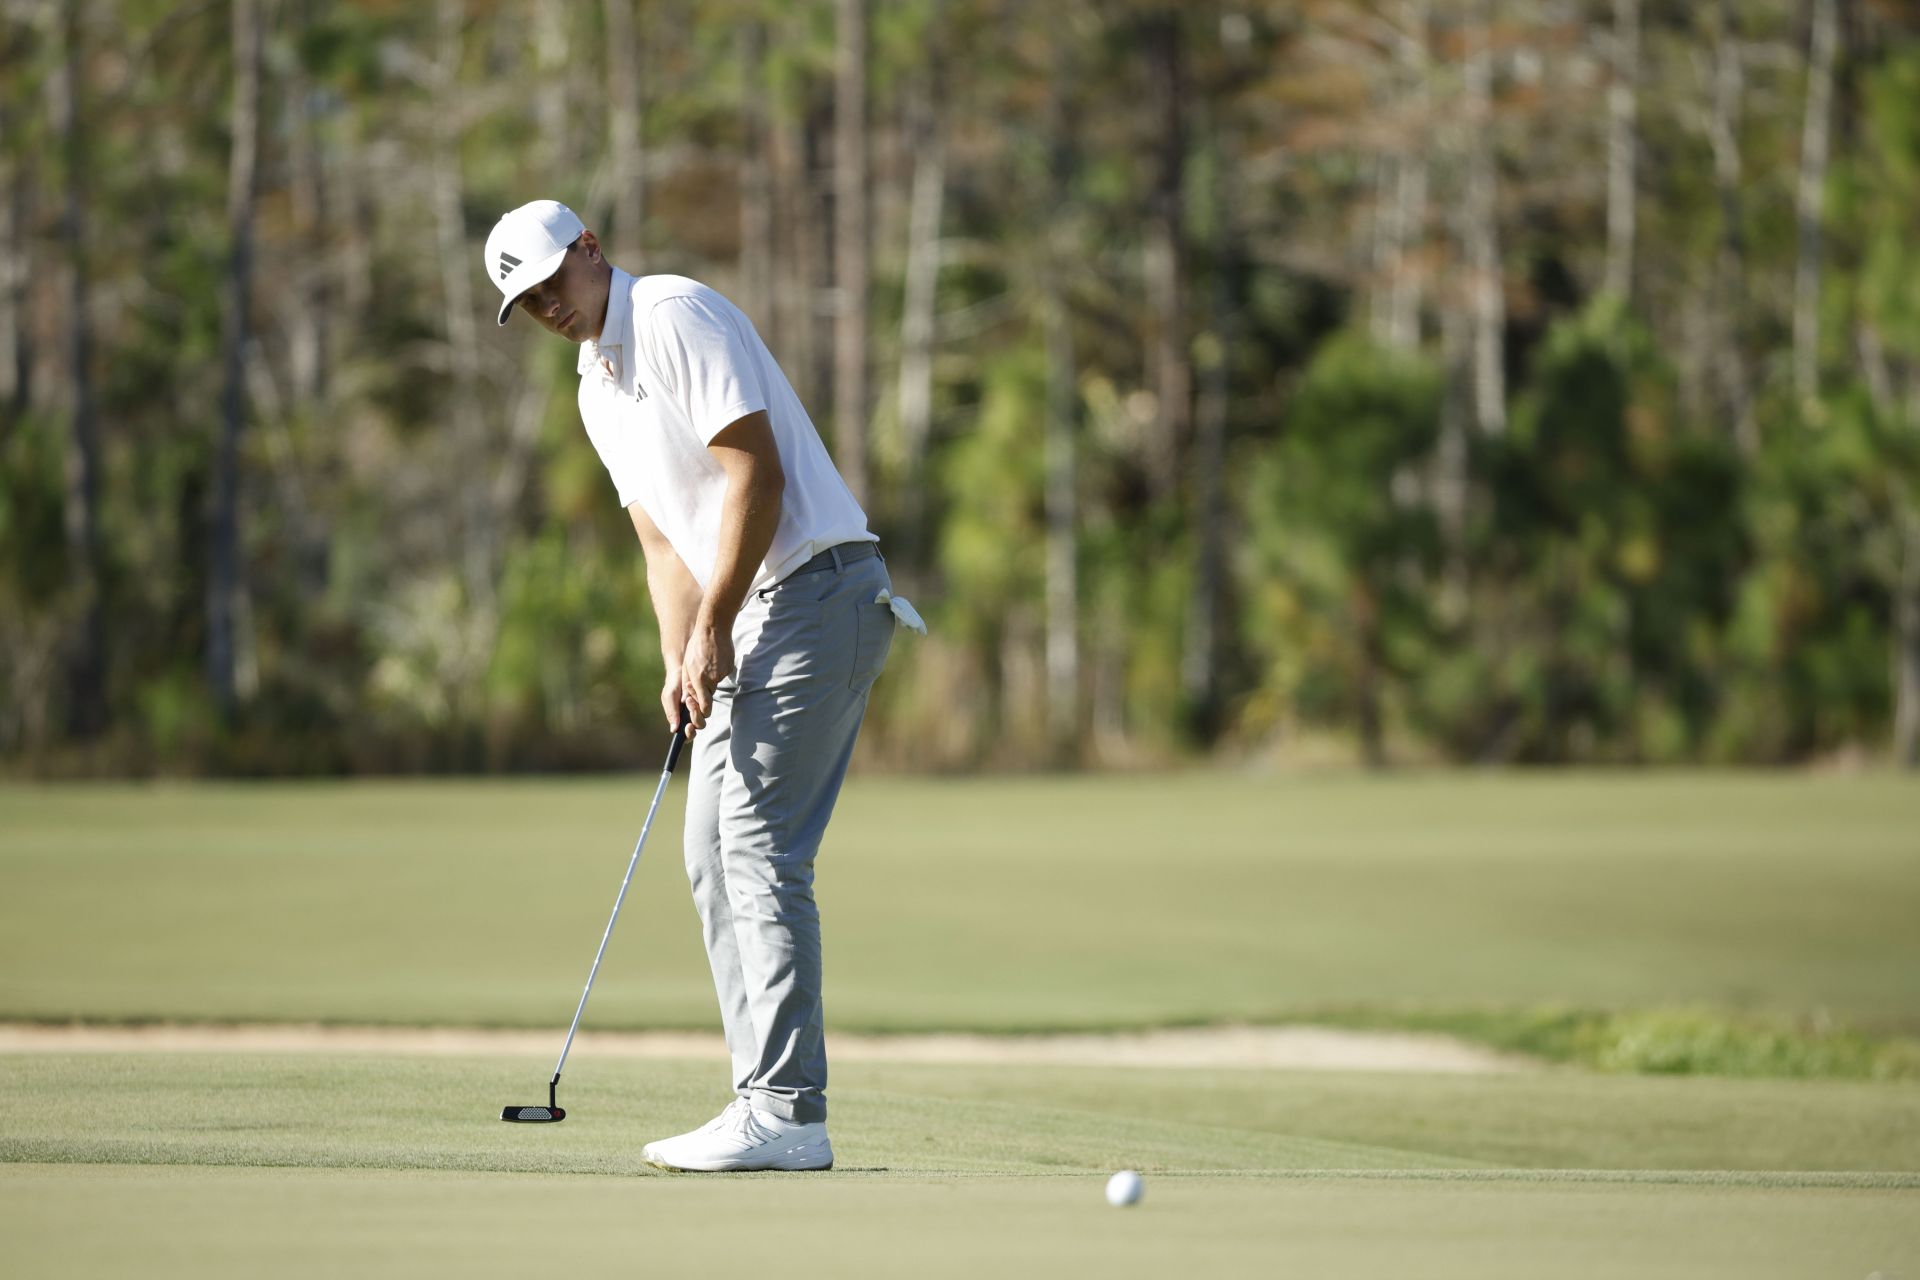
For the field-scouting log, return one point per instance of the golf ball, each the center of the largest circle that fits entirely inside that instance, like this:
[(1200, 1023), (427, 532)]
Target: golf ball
[(1124, 1188)]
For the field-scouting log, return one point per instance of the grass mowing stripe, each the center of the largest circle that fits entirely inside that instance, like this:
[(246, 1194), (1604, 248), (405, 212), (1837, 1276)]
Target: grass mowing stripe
[(434, 1114), (1741, 892), (1549, 1119), (293, 1224), (26, 1154), (1856, 1179), (440, 1113)]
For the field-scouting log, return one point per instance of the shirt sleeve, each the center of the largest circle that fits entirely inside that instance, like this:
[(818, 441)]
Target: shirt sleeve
[(701, 353)]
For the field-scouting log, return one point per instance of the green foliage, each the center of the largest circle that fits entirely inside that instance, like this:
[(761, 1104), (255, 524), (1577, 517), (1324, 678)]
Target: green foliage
[(1807, 645), (577, 651), (990, 546), (1889, 178), (32, 509), (1688, 1042), (1698, 1042), (1610, 580), (1605, 567), (1341, 533)]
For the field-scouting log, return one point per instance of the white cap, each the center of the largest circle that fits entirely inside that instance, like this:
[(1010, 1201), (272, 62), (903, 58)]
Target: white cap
[(526, 246)]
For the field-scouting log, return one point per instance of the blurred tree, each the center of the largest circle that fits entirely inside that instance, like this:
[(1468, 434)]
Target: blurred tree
[(1823, 42), (1061, 484), (1351, 560), (621, 211), (17, 177), (926, 129), (85, 676), (851, 265), (1885, 197), (1162, 37), (230, 673), (1480, 223), (1623, 145), (1611, 556), (1730, 281), (1157, 489)]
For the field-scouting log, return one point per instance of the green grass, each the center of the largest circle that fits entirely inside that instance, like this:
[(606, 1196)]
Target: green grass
[(295, 1165), (1664, 1041), (367, 1111), (296, 1223), (1717, 923), (985, 904)]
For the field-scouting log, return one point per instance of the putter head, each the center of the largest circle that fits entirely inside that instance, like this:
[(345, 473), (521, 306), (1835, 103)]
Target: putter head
[(533, 1115)]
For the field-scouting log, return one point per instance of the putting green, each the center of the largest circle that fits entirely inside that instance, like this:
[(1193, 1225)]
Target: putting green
[(143, 1222), (980, 904), (440, 1113), (311, 1165)]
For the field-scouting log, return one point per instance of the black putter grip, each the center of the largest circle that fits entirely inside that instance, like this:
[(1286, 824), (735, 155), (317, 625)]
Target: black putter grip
[(679, 740)]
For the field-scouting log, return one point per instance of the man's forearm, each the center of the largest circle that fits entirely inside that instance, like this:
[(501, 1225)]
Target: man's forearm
[(676, 603), (748, 520)]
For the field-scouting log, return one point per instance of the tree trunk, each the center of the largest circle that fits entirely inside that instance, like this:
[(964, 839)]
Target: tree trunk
[(756, 186), (1483, 234), (1366, 626), (1906, 645), (1451, 464), (16, 346), (1166, 258), (810, 232), (86, 665), (1623, 144), (307, 314), (1107, 697), (917, 322), (353, 220), (477, 549), (1200, 659), (225, 581), (1814, 134), (625, 205), (850, 247), (1062, 468), (551, 55), (1896, 397), (1386, 246), (1411, 178), (1730, 274)]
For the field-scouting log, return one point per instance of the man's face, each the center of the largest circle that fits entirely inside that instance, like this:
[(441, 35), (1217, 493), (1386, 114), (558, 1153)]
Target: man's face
[(572, 302)]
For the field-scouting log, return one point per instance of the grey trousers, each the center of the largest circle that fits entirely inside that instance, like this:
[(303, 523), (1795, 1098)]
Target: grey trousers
[(765, 774)]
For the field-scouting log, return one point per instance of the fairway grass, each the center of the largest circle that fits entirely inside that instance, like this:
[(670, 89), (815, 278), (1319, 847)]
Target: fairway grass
[(989, 905), (314, 1165)]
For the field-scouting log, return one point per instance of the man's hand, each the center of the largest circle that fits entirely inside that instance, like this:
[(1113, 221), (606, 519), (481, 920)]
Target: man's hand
[(670, 699), (707, 661)]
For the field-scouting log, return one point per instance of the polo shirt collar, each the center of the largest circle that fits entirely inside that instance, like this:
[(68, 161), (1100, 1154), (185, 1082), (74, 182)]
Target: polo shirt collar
[(614, 334)]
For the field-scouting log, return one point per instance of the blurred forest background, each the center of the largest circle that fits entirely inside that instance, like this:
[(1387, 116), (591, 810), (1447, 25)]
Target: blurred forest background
[(1467, 380)]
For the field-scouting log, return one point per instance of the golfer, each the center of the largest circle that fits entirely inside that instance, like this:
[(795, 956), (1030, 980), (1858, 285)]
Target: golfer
[(776, 614)]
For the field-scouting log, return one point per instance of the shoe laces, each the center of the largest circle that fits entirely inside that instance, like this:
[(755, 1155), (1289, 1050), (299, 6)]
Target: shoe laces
[(728, 1117), (742, 1120)]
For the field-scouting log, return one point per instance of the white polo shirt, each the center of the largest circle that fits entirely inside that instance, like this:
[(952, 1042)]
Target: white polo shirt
[(675, 365)]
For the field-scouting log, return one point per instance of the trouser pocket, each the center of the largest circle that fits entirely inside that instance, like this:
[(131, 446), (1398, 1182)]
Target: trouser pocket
[(872, 638)]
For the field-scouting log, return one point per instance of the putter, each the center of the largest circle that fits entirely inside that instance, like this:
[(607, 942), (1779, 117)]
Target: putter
[(553, 1112)]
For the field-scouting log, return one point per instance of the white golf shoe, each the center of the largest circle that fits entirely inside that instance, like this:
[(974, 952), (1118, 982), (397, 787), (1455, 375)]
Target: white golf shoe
[(741, 1139)]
